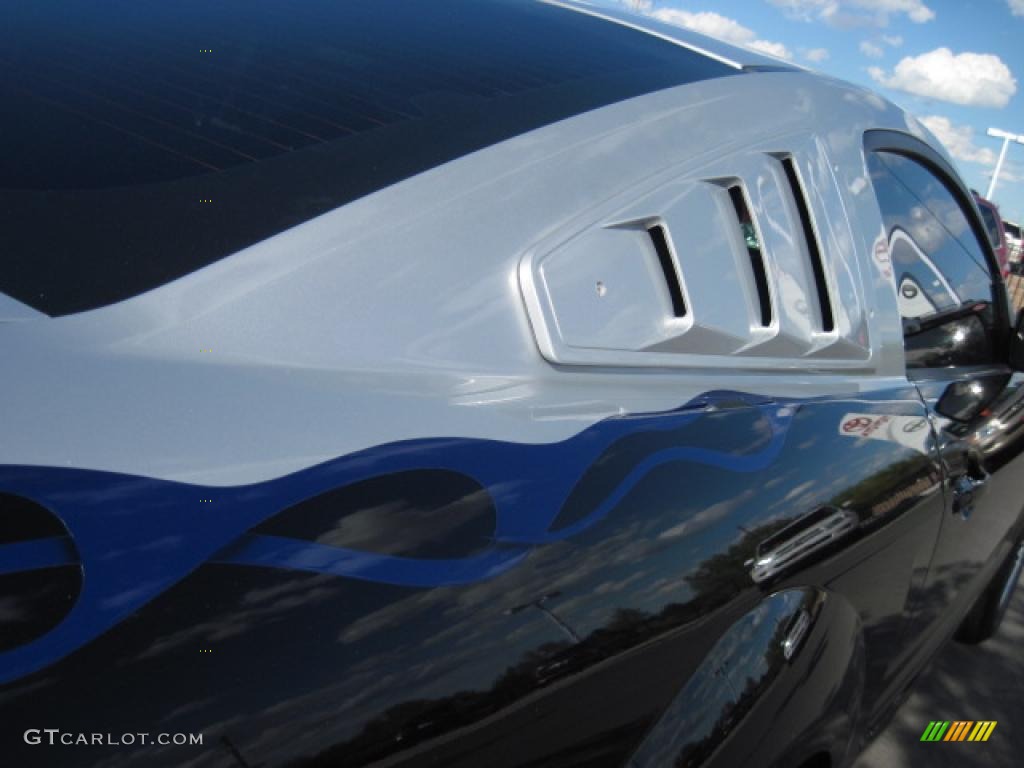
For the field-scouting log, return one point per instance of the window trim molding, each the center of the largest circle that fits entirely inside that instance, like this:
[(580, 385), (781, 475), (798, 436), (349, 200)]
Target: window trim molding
[(913, 148)]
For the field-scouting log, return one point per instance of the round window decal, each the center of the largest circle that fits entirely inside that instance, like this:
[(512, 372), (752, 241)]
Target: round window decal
[(40, 573)]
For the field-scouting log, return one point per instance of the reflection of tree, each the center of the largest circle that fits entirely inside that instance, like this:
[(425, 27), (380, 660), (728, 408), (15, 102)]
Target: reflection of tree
[(624, 619), (880, 493), (697, 752), (416, 721), (723, 575), (715, 583)]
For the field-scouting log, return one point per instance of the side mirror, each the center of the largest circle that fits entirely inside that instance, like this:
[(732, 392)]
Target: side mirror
[(953, 336), (965, 400), (1017, 344)]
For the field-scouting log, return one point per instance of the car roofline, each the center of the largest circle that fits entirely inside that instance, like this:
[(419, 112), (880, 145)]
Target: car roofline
[(725, 53)]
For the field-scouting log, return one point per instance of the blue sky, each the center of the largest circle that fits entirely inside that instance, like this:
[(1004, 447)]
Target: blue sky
[(953, 64)]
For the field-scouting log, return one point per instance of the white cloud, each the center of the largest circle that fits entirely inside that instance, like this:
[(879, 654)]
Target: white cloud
[(1016, 7), (722, 27), (959, 140), (857, 13), (708, 23), (1009, 172), (778, 50), (973, 79), (871, 50), (819, 54), (640, 6), (807, 10), (916, 11)]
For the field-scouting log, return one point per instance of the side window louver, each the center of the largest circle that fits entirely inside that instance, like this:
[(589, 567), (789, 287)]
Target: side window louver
[(811, 238), (748, 232), (660, 241), (725, 263)]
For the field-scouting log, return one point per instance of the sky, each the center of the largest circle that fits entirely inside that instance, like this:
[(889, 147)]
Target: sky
[(955, 65)]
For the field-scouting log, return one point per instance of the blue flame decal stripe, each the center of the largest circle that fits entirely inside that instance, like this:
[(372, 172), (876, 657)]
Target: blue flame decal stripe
[(36, 554), (137, 536), (295, 555)]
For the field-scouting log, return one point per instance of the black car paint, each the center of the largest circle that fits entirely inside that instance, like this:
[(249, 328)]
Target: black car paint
[(984, 446), (583, 654)]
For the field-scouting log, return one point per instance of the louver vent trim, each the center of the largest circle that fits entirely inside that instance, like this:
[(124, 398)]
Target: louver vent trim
[(660, 240), (811, 238), (748, 232)]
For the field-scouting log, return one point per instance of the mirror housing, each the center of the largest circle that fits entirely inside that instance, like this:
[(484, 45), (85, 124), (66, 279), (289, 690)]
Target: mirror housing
[(951, 337), (966, 400)]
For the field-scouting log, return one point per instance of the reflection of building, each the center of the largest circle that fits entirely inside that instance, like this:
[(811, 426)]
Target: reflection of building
[(922, 288)]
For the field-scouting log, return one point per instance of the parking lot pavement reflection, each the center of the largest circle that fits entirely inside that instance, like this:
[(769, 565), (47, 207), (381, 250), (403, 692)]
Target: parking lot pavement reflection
[(983, 682)]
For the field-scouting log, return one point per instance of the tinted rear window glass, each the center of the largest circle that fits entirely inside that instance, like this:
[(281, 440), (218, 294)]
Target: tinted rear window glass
[(933, 246), (122, 119)]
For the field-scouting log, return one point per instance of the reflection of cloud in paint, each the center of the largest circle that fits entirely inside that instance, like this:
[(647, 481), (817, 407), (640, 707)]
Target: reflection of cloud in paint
[(12, 693), (707, 517), (126, 597), (187, 709), (255, 607), (609, 587), (379, 528), (799, 490)]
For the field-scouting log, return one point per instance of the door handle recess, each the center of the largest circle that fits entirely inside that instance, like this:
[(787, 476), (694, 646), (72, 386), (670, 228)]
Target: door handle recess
[(801, 539)]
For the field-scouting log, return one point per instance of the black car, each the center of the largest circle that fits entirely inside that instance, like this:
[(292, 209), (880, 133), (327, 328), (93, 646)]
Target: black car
[(480, 383)]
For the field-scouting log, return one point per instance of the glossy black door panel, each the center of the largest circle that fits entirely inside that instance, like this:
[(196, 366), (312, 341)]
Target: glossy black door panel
[(583, 637), (983, 462), (797, 650), (955, 330)]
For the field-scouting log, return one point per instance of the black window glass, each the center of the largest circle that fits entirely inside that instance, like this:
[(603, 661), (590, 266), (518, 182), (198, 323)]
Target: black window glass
[(943, 282), (143, 140)]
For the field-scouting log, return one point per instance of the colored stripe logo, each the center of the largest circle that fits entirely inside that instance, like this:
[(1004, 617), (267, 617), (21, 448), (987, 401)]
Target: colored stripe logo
[(958, 730)]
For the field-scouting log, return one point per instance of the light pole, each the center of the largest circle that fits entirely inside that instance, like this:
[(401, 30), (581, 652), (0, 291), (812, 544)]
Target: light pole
[(1007, 138)]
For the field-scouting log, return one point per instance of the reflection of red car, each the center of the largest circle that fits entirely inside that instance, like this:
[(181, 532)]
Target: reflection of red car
[(996, 232)]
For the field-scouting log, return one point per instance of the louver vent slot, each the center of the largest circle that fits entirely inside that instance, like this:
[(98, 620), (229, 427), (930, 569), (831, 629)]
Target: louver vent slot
[(675, 290), (749, 234), (827, 321)]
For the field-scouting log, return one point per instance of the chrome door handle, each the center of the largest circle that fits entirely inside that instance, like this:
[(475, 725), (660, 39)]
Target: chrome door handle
[(795, 635), (800, 540)]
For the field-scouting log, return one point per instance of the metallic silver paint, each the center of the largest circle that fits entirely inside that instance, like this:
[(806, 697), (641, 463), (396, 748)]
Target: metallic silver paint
[(400, 315)]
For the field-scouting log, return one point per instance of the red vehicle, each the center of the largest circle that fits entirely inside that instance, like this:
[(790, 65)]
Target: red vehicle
[(996, 231)]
